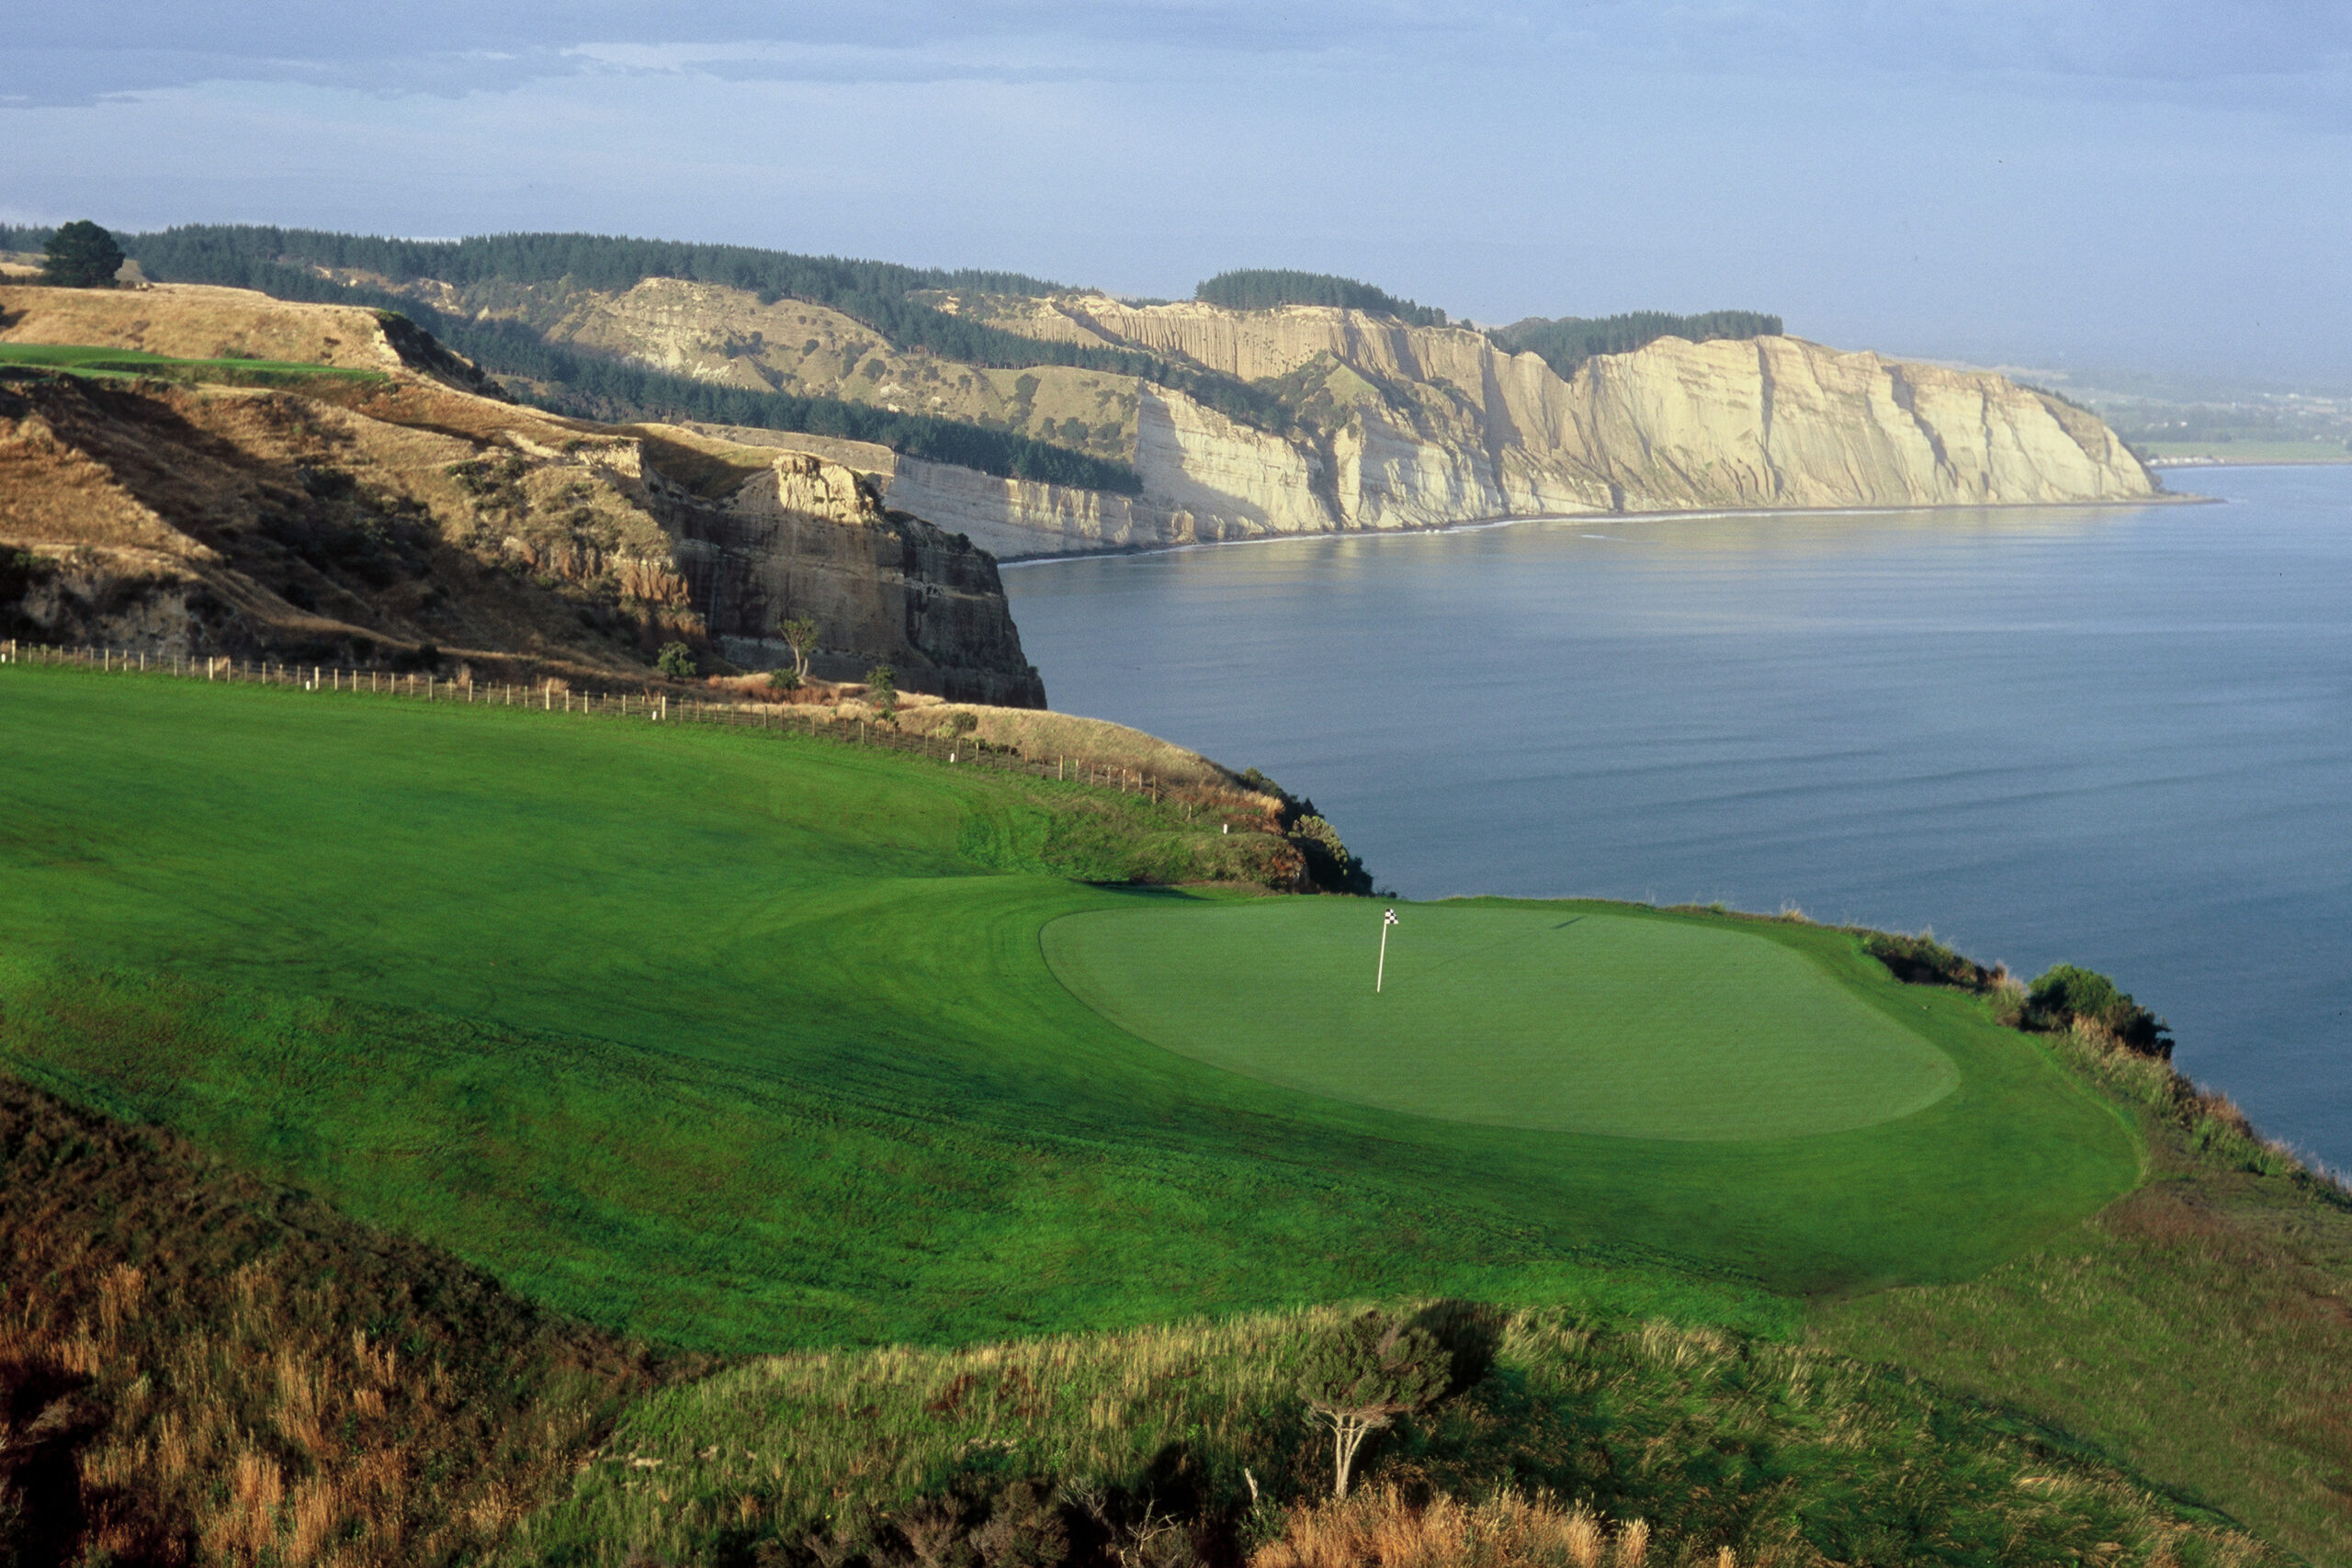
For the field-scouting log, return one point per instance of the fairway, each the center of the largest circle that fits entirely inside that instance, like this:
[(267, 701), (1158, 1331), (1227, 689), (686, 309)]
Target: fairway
[(1560, 1019), (744, 1042)]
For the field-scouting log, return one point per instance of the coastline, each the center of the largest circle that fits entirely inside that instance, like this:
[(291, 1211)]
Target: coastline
[(1474, 524)]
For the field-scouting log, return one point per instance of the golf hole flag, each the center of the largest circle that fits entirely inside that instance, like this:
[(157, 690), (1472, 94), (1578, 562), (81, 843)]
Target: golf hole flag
[(1380, 975)]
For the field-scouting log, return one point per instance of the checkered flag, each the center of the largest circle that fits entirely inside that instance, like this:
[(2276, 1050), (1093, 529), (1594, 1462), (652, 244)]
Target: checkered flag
[(1380, 975)]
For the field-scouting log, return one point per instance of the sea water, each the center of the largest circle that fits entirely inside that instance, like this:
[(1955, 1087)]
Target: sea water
[(2114, 736)]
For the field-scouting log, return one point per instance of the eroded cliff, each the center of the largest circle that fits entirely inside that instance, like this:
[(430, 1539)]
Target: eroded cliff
[(1394, 426), (391, 511)]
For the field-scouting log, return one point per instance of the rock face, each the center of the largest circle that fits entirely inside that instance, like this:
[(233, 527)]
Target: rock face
[(1390, 426), (354, 518), (1417, 427), (811, 537), (1413, 427)]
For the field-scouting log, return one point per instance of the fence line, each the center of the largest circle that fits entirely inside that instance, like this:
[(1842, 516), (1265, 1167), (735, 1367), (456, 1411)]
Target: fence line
[(657, 708)]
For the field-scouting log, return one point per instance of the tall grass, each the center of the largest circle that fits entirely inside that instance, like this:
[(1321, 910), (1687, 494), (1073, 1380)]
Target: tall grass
[(198, 1368), (1624, 1439)]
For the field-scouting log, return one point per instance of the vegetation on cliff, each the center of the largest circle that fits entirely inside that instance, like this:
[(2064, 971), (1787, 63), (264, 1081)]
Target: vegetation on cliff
[(1567, 342), (1263, 288)]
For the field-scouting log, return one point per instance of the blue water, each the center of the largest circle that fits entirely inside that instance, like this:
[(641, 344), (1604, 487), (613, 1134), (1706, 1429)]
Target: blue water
[(2117, 738)]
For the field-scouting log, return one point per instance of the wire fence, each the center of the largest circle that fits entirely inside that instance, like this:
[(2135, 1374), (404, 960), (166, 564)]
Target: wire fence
[(557, 696)]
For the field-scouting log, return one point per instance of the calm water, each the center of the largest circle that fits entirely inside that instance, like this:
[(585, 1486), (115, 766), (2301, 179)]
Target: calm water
[(2121, 739)]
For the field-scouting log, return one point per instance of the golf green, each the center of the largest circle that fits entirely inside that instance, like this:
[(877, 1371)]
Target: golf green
[(1550, 1019)]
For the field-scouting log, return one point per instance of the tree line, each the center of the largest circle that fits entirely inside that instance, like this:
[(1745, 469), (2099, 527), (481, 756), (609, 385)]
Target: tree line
[(1265, 288), (1568, 341), (593, 385), (875, 294)]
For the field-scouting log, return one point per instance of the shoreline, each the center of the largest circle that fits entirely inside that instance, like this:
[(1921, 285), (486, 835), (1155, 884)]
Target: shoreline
[(1475, 524), (2169, 463)]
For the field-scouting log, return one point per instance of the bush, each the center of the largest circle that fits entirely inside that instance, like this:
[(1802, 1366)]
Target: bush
[(677, 661), (1364, 1371), (783, 680), (882, 690), (2066, 997)]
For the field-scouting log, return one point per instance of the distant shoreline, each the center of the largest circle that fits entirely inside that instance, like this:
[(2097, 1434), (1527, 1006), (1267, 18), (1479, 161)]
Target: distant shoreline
[(2250, 462), (1477, 524)]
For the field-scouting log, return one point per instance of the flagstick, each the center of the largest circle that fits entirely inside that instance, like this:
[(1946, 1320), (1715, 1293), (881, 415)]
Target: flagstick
[(1380, 975)]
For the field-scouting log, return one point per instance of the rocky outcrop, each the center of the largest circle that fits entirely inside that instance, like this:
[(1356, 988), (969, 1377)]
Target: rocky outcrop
[(1394, 426), (810, 537)]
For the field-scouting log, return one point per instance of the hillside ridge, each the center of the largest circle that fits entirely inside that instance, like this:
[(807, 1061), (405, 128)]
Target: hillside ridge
[(358, 493)]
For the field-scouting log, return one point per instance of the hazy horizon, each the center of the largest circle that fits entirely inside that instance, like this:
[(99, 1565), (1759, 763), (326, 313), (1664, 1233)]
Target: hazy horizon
[(2020, 182)]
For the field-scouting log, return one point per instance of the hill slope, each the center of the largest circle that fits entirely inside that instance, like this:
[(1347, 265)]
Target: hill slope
[(204, 503), (1220, 424), (747, 1042)]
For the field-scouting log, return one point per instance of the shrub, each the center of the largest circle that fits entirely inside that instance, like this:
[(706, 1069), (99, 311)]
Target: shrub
[(783, 680), (677, 661), (1364, 1371), (2066, 997), (882, 690)]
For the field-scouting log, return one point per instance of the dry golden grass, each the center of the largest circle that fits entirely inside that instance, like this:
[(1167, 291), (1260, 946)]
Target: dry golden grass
[(233, 1396), (1092, 744), (1379, 1528), (185, 320)]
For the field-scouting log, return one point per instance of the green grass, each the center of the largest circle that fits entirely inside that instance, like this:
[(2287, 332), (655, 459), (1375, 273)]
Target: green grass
[(1785, 1454), (80, 360), (2199, 1330), (1561, 1019), (750, 1043)]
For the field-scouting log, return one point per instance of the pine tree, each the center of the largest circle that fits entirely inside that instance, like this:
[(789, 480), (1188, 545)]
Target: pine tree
[(81, 255)]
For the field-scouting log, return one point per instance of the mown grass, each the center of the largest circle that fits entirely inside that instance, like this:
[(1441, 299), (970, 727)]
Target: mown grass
[(2199, 1329), (1560, 1017), (748, 1043), (81, 360), (1778, 1453)]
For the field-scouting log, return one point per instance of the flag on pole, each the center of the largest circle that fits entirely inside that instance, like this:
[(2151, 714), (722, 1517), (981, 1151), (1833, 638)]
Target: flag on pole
[(1380, 975)]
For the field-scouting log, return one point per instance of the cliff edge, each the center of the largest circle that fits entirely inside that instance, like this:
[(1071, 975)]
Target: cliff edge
[(371, 503)]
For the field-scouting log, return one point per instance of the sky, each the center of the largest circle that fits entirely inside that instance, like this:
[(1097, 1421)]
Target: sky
[(2159, 186)]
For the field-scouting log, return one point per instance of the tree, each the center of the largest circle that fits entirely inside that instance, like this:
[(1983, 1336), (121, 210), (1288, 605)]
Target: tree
[(81, 255), (677, 660), (882, 690), (1364, 1373), (799, 634)]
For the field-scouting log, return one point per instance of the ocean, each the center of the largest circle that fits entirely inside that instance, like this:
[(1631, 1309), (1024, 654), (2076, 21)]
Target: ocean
[(2114, 736)]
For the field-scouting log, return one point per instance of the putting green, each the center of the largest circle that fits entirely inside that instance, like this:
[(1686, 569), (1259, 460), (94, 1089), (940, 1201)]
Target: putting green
[(1561, 1020)]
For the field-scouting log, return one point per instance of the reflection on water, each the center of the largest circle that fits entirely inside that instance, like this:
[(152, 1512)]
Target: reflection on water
[(2120, 738)]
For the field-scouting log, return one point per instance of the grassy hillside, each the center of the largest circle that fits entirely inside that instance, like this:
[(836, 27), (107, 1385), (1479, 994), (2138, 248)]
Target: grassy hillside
[(104, 362), (746, 1042), (545, 992), (226, 1367)]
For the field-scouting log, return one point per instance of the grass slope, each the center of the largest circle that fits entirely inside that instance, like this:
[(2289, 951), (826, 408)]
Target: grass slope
[(1566, 1018), (197, 1366), (80, 360), (1782, 1454), (2199, 1329), (745, 1041)]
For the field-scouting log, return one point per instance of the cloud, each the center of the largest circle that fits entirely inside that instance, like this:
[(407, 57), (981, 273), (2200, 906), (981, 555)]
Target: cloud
[(444, 48)]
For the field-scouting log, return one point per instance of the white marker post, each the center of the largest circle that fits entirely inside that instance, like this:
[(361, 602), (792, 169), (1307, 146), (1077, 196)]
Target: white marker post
[(1380, 975)]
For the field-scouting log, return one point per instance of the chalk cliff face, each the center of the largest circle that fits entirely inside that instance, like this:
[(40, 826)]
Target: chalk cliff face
[(358, 517), (1392, 426), (1405, 427)]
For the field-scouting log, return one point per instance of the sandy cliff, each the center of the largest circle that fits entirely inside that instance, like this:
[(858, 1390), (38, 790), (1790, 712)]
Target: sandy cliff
[(1404, 427)]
